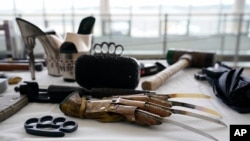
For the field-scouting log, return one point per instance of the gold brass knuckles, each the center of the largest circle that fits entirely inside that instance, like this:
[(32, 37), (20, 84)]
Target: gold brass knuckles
[(142, 109)]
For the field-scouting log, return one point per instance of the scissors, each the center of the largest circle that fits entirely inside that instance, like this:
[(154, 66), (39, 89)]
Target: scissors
[(49, 126), (108, 48)]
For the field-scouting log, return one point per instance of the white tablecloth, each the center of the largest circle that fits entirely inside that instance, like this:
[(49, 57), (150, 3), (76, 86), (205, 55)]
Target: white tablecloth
[(183, 82)]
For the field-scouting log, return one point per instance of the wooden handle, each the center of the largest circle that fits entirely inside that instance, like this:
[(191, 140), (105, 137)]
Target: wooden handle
[(13, 66), (19, 66), (157, 80)]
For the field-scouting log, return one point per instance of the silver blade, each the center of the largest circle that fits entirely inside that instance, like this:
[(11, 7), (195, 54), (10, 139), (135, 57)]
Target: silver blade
[(176, 111), (189, 128), (187, 113), (204, 109), (157, 117), (177, 95)]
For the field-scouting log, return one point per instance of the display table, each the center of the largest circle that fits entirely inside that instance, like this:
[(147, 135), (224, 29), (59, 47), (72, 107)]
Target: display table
[(91, 130)]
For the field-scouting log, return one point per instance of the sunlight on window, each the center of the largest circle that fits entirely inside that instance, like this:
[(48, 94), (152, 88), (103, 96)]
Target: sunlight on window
[(141, 23)]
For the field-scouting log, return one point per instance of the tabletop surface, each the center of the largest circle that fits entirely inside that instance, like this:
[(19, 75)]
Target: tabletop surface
[(183, 82)]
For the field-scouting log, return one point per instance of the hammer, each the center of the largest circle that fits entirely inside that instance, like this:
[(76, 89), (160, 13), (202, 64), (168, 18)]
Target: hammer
[(178, 60)]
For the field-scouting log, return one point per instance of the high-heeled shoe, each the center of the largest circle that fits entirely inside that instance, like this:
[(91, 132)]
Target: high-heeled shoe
[(86, 25), (76, 44), (51, 44)]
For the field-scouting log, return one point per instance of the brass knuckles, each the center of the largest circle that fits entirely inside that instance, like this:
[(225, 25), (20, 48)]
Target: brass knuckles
[(108, 48)]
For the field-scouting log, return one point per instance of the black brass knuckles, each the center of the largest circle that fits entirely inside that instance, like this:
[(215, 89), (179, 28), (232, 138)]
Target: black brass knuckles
[(110, 48), (49, 126)]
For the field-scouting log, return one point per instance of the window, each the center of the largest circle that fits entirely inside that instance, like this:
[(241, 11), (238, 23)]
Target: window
[(145, 27)]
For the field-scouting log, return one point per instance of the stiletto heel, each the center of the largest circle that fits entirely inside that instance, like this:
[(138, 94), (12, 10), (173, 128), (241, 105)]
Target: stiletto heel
[(50, 43), (75, 44)]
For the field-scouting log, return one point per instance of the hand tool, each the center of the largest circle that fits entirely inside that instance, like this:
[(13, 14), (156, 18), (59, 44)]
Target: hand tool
[(50, 126), (56, 93), (185, 59)]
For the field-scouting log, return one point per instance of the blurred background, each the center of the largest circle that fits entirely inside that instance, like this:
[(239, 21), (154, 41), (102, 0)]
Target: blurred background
[(146, 28)]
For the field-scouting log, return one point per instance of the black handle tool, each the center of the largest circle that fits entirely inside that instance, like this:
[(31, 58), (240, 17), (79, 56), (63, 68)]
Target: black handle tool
[(56, 93)]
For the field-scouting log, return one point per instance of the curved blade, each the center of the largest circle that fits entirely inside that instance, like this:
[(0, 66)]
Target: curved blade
[(159, 118), (177, 95), (186, 95), (187, 113), (163, 101), (176, 111), (204, 109), (189, 128)]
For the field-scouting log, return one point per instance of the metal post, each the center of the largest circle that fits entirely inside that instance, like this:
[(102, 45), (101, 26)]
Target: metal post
[(130, 21), (188, 20), (105, 16), (223, 35), (236, 55), (73, 16), (9, 34), (14, 8), (64, 23), (44, 16), (165, 34), (247, 26), (160, 11), (110, 26), (219, 17)]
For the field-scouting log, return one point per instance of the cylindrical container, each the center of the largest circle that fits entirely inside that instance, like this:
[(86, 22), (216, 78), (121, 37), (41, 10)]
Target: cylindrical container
[(74, 46), (67, 65)]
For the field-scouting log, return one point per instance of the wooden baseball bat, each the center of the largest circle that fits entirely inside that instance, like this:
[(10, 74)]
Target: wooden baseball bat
[(157, 80)]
